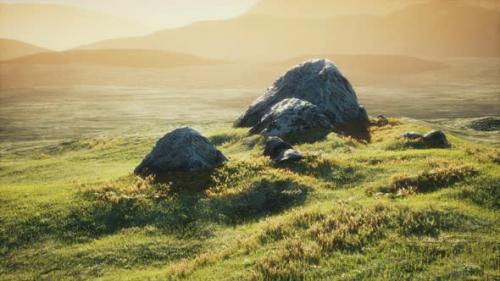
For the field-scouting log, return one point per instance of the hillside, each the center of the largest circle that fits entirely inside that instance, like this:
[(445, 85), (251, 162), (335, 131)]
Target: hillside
[(10, 49), (374, 211), (109, 57), (61, 26), (450, 29)]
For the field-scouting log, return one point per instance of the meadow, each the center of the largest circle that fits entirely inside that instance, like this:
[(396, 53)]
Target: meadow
[(71, 209), (350, 211)]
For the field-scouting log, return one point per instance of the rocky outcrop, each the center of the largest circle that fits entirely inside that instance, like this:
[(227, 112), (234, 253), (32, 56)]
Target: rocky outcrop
[(182, 150), (317, 82), (280, 151), (291, 116)]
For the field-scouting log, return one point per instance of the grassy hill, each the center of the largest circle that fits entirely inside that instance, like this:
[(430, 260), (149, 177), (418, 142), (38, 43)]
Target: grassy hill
[(10, 49), (349, 211), (114, 57)]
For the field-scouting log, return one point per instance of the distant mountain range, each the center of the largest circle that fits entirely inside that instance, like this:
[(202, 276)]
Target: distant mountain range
[(277, 31), (152, 67), (332, 8), (113, 57), (60, 26), (10, 49), (374, 65)]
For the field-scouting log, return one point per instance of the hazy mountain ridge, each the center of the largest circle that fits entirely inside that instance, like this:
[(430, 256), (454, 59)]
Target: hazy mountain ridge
[(334, 8), (115, 57), (10, 49), (62, 26), (429, 29), (376, 65)]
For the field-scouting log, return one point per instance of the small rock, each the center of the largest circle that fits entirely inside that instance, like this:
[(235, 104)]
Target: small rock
[(291, 116), (412, 135), (381, 121), (182, 150), (281, 151), (485, 124), (436, 139)]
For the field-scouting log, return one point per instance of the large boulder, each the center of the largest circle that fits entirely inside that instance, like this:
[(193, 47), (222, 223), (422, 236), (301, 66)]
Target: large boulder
[(318, 82), (280, 151), (291, 116), (182, 150)]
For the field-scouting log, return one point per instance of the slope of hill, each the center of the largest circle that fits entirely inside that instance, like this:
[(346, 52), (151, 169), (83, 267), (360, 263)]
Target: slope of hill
[(430, 29), (110, 57), (10, 49), (60, 26)]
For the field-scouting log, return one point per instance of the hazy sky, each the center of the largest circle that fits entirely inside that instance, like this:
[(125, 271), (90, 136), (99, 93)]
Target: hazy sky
[(159, 13)]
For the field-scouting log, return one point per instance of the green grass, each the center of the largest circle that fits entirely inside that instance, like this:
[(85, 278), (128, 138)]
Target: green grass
[(349, 211)]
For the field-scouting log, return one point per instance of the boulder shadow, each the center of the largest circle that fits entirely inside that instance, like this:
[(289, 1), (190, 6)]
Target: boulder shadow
[(356, 130), (196, 182), (185, 213), (326, 171), (262, 198)]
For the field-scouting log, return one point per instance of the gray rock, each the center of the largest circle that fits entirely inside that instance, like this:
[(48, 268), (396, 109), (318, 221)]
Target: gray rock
[(281, 151), (381, 121), (485, 124), (436, 139), (182, 150), (412, 135), (291, 116), (318, 82)]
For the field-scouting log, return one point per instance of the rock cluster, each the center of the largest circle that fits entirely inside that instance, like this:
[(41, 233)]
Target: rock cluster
[(313, 95), (280, 151), (182, 150)]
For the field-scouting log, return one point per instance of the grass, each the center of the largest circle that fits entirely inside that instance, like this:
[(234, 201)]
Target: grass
[(350, 210)]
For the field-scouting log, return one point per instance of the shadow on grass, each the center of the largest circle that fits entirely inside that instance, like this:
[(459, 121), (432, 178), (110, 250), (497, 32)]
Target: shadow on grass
[(185, 214), (328, 171), (262, 198)]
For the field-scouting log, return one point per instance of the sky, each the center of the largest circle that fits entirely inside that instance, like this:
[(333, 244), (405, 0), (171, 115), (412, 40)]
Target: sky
[(159, 14)]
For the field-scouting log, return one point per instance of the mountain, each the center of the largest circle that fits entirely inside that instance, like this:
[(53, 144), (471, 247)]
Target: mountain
[(332, 8), (374, 65), (435, 28), (110, 57), (60, 26), (152, 68), (10, 49), (327, 8)]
